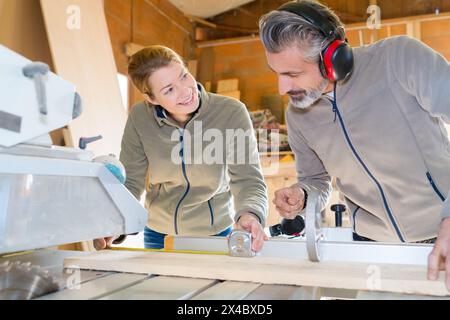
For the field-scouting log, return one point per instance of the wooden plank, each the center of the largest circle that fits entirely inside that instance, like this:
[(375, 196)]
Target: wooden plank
[(192, 66), (222, 42), (207, 86), (284, 292), (168, 10), (273, 183), (344, 275), (163, 288), (228, 290), (364, 295), (97, 288), (68, 140), (211, 25), (201, 21), (389, 31), (333, 294), (131, 48), (82, 54), (361, 37), (413, 29), (84, 276)]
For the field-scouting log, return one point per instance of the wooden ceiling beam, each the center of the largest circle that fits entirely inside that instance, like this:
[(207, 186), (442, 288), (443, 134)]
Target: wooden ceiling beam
[(246, 12), (202, 21), (349, 17), (212, 25)]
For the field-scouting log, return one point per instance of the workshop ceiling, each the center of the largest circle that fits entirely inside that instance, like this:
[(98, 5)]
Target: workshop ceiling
[(207, 8), (241, 20)]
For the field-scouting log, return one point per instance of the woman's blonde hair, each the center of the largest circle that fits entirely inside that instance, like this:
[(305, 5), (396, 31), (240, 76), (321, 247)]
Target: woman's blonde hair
[(148, 60)]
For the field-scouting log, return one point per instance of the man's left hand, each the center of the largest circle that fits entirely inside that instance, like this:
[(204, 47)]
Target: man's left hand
[(250, 223), (439, 258)]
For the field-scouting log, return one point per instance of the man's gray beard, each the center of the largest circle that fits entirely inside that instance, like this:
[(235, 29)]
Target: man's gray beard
[(311, 97)]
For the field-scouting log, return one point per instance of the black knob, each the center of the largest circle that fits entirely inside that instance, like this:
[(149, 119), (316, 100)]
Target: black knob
[(338, 209), (288, 227), (275, 230), (292, 227)]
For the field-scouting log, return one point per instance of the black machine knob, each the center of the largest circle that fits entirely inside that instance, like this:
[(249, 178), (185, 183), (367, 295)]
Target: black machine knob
[(288, 227), (338, 209)]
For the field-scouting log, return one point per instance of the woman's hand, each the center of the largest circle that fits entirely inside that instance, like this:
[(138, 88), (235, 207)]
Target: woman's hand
[(250, 223), (103, 243)]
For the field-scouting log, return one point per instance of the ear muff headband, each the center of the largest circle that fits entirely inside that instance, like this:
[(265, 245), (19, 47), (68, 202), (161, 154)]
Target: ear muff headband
[(337, 57), (312, 16)]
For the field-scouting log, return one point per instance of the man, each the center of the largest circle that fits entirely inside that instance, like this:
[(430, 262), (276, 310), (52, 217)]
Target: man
[(373, 118)]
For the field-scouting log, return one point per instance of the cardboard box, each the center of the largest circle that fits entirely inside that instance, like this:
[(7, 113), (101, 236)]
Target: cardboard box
[(227, 85)]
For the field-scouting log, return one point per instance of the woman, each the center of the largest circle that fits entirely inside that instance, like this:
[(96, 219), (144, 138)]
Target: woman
[(180, 145)]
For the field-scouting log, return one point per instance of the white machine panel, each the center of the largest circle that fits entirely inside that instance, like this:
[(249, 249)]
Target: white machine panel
[(20, 119), (46, 202)]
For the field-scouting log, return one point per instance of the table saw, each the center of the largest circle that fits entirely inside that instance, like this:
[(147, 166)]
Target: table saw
[(55, 195)]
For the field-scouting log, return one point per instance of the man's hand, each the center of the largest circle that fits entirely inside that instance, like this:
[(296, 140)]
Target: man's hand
[(439, 258), (103, 243), (250, 223), (289, 201)]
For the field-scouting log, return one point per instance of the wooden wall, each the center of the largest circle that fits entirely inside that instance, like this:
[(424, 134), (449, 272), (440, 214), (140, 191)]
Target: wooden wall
[(245, 59), (147, 22), (22, 29), (436, 34), (430, 29)]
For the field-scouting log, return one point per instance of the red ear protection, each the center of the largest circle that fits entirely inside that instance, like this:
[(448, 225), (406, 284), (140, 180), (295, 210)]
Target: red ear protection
[(337, 60), (327, 57)]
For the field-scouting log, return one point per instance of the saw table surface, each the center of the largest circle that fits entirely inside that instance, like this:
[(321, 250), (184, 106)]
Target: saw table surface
[(80, 284), (83, 282)]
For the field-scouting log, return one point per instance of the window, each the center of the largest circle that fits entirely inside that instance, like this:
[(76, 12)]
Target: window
[(123, 86)]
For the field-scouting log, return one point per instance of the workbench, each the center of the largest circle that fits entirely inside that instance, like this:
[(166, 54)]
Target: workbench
[(80, 284)]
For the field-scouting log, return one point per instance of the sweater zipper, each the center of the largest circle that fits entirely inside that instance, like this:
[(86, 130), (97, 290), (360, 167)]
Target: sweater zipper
[(354, 219), (183, 167), (211, 212), (435, 188), (347, 137)]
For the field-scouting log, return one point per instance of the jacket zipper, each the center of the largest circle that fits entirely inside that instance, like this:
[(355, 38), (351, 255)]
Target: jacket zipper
[(435, 188), (211, 212), (347, 137), (354, 219), (183, 167)]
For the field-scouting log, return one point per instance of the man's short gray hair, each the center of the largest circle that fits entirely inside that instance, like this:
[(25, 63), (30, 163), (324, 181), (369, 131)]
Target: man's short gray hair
[(281, 29)]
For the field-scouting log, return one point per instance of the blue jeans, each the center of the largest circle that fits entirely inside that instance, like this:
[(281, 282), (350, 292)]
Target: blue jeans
[(155, 240)]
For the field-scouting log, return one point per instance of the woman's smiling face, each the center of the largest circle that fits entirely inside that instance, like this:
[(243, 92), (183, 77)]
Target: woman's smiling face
[(174, 89)]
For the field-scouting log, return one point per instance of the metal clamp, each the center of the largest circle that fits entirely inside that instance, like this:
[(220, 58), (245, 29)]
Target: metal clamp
[(240, 244), (37, 71), (313, 226)]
